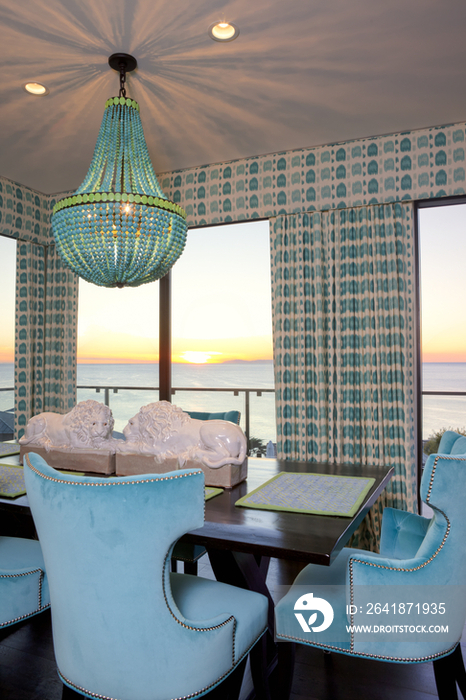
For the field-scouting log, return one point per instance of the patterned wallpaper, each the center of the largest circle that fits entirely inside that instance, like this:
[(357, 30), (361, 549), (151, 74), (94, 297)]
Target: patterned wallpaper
[(24, 213), (46, 308), (407, 166)]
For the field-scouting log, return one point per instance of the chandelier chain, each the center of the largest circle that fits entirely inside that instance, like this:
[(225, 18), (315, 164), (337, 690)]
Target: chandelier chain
[(122, 80)]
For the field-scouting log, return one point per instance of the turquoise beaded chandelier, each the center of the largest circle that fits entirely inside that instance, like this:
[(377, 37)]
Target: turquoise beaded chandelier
[(118, 229)]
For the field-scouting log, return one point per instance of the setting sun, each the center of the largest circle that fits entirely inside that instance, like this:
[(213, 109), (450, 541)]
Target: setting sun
[(197, 357)]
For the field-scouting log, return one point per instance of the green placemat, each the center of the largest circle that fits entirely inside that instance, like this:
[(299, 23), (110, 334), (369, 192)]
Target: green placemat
[(8, 448), (11, 481), (210, 492), (321, 494)]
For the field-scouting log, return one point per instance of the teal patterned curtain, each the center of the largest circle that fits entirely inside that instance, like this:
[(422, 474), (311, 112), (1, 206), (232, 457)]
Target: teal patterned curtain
[(343, 320), (46, 326)]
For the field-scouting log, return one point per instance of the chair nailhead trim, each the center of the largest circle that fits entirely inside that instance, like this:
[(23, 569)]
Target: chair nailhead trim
[(183, 697), (380, 657), (34, 612), (189, 627), (108, 483), (23, 617)]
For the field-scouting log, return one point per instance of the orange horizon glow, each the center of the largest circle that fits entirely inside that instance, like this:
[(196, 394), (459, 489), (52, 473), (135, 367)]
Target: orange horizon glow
[(444, 357), (7, 357), (99, 345)]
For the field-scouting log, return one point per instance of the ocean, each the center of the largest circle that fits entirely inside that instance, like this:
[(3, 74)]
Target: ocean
[(248, 375), (438, 412), (127, 402)]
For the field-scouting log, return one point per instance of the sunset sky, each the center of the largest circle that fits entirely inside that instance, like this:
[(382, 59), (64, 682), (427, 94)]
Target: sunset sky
[(7, 296), (442, 243), (221, 308), (221, 299)]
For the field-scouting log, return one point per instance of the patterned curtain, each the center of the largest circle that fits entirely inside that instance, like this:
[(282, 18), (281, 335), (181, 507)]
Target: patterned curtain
[(46, 326), (343, 319)]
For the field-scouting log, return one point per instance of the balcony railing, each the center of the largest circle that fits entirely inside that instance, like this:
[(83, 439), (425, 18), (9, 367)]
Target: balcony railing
[(458, 420), (245, 393)]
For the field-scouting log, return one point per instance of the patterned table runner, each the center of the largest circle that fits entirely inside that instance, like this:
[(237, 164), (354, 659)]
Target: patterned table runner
[(7, 449), (11, 481), (321, 494)]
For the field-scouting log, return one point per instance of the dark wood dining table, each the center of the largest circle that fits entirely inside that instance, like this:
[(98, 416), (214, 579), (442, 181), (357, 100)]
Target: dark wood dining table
[(231, 534), (294, 536)]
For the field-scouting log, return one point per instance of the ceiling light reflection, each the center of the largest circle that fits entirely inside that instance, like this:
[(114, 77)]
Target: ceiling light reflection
[(223, 31), (36, 89)]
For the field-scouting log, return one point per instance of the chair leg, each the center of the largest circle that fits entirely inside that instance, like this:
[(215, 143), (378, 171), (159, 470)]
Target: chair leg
[(286, 659), (190, 567), (259, 669), (448, 671), (460, 672)]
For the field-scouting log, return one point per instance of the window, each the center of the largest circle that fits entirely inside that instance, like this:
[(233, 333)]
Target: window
[(442, 236), (7, 335), (222, 324), (118, 346), (221, 332)]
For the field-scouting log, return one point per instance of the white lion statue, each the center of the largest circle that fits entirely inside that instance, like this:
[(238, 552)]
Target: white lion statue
[(88, 425), (166, 431)]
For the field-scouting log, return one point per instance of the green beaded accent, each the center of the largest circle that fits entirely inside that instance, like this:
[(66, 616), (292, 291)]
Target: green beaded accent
[(108, 197), (118, 228)]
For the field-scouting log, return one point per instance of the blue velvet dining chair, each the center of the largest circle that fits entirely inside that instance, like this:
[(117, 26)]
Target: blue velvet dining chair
[(420, 560), (230, 416), (24, 590), (124, 626)]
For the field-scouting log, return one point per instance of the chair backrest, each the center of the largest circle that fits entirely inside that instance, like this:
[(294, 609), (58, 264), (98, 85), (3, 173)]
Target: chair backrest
[(452, 443), (443, 487), (433, 572), (231, 416), (107, 547)]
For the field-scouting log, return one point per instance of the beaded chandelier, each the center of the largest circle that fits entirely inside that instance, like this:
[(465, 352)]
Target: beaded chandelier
[(118, 229)]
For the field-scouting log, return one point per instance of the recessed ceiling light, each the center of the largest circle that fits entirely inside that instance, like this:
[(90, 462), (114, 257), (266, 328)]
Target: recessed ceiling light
[(36, 89), (223, 31)]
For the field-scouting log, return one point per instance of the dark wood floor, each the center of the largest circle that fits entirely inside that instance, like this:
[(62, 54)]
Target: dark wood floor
[(28, 672)]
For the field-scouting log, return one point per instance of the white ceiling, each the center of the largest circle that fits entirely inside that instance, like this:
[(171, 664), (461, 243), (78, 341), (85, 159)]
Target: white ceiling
[(302, 73)]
